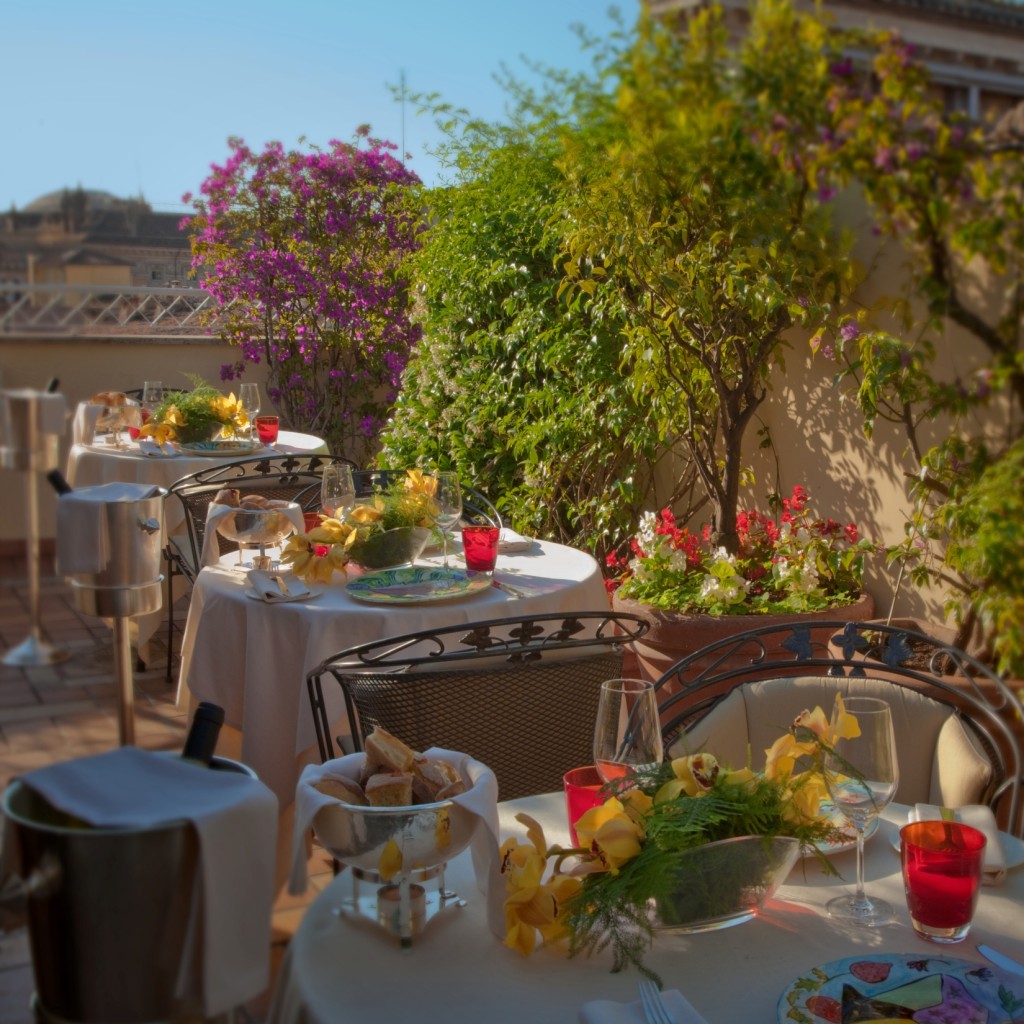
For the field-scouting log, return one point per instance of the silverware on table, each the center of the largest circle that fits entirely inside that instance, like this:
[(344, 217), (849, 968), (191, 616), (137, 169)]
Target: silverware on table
[(508, 589), (655, 1010), (1000, 959)]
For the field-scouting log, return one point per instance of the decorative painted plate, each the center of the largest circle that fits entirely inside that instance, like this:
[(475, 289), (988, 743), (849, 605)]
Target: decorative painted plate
[(903, 986), (416, 584), (221, 449), (849, 842)]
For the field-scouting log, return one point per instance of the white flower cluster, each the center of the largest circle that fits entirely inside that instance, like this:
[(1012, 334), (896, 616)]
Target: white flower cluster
[(723, 583)]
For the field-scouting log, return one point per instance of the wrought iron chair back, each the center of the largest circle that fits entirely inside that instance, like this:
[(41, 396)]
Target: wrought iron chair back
[(860, 651), (519, 694)]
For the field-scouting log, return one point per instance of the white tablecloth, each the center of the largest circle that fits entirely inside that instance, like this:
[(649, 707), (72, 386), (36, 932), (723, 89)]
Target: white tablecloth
[(349, 968), (100, 463)]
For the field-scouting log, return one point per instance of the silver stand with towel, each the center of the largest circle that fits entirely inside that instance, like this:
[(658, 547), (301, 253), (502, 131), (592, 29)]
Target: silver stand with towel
[(30, 450)]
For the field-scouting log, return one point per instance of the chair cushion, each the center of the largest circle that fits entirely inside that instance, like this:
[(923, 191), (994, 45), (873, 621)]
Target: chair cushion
[(939, 761)]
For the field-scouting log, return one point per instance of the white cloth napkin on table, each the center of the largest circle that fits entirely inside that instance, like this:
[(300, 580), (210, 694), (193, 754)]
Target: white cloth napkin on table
[(607, 1011), (977, 816), (83, 541), (156, 451), (265, 584), (509, 540), (217, 513), (235, 818), (481, 799)]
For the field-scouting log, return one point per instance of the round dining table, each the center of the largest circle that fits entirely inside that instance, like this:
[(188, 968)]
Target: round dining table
[(340, 966), (252, 657), (102, 462)]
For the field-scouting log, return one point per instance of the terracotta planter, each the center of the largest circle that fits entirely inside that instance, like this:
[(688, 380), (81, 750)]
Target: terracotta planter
[(674, 635)]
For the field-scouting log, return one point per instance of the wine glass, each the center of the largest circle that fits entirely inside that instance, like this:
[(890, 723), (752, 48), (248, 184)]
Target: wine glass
[(249, 398), (862, 775), (627, 734), (449, 506), (337, 489), (152, 396)]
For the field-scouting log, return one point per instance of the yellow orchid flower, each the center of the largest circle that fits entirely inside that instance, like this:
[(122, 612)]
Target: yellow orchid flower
[(611, 834), (697, 773), (364, 514), (418, 482), (847, 726)]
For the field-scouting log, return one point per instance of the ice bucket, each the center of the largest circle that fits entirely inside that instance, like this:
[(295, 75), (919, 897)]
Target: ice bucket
[(131, 582), (108, 911), (22, 444)]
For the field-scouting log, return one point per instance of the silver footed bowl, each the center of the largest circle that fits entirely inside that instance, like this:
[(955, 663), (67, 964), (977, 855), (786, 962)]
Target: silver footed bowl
[(258, 525), (427, 835)]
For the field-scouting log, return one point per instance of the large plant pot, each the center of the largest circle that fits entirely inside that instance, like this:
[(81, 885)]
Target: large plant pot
[(674, 635)]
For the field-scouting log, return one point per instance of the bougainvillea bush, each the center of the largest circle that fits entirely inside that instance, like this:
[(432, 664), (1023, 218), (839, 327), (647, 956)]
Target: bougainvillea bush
[(302, 251)]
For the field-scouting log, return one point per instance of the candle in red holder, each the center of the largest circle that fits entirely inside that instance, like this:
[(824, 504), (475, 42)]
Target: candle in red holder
[(266, 428), (582, 786), (480, 546), (942, 867)]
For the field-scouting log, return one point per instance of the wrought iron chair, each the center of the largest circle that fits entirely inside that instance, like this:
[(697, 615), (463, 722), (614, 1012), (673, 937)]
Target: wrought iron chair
[(519, 694), (958, 725), (289, 477)]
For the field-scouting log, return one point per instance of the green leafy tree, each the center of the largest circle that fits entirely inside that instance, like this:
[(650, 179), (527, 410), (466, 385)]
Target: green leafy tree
[(705, 209), (525, 394), (302, 251)]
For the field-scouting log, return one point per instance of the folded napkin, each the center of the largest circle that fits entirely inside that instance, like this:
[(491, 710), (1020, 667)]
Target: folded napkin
[(226, 958), (265, 584), (83, 426), (83, 540), (216, 514), (156, 451), (977, 816), (481, 800), (509, 540), (606, 1011)]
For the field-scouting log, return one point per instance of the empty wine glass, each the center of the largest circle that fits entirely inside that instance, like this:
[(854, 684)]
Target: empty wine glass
[(337, 489), (862, 775), (152, 396), (627, 734), (249, 398), (449, 506)]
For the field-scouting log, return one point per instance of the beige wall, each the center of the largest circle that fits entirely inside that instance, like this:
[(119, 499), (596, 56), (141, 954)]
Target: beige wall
[(84, 366)]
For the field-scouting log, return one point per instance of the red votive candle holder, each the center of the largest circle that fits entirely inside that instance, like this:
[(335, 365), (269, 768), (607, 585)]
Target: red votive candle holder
[(942, 868), (266, 428), (480, 546), (582, 786)]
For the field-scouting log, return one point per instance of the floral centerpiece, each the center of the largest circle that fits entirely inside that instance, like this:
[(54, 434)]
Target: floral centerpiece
[(631, 862), (195, 416), (378, 527), (800, 563)]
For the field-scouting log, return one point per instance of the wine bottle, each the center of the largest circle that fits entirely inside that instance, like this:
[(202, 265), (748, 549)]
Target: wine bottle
[(201, 740)]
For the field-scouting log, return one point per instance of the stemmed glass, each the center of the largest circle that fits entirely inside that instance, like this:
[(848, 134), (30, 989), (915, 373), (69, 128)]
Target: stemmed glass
[(152, 396), (249, 397), (337, 489), (627, 734), (449, 506), (862, 775)]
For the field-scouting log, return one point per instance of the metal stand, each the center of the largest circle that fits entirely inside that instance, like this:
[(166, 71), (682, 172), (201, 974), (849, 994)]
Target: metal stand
[(33, 650), (125, 685)]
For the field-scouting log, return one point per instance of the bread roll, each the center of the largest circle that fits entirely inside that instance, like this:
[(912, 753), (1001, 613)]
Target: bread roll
[(430, 777), (254, 501), (389, 789), (227, 496), (345, 790), (109, 398), (389, 751)]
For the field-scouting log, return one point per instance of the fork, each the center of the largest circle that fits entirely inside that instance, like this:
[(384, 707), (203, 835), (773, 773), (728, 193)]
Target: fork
[(655, 1011)]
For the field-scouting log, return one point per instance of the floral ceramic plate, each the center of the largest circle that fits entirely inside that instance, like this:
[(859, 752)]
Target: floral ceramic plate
[(897, 986), (417, 584), (849, 842), (223, 448)]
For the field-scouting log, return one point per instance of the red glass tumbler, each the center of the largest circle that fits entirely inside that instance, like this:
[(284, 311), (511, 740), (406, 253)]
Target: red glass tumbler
[(266, 428), (582, 788), (942, 867), (480, 546)]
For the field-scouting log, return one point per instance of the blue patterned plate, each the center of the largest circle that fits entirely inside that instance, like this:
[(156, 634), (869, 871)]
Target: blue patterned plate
[(895, 986), (417, 584), (223, 448)]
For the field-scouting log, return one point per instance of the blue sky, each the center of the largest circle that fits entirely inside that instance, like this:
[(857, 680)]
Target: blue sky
[(139, 98)]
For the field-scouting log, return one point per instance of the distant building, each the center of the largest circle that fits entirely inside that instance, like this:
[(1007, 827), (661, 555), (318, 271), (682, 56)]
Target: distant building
[(974, 49), (89, 237)]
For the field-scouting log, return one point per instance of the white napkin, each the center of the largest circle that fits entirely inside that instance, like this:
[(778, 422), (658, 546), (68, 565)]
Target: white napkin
[(218, 513), (509, 540), (156, 451), (977, 816), (235, 818), (265, 584), (481, 799), (83, 541), (607, 1011), (83, 427)]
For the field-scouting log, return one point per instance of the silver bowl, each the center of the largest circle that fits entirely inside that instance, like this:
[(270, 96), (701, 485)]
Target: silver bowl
[(262, 526), (427, 835)]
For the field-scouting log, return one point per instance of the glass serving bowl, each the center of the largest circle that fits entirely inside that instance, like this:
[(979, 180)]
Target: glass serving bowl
[(390, 548), (258, 527), (725, 883)]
